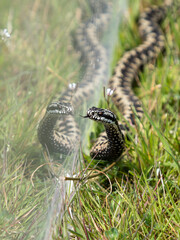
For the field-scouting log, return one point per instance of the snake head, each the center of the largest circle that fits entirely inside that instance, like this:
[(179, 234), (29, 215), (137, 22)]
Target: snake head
[(62, 108), (101, 115)]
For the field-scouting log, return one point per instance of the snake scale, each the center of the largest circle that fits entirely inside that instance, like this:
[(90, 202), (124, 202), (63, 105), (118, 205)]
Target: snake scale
[(58, 130)]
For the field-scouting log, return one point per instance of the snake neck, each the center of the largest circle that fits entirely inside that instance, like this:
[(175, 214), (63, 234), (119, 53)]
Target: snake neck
[(113, 132), (115, 138), (111, 146), (46, 130), (50, 133)]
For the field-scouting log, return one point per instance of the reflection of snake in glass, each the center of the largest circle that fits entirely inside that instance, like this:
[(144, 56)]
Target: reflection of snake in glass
[(58, 131)]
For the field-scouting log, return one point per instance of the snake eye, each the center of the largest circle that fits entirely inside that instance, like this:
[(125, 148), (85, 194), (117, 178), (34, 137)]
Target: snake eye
[(100, 113)]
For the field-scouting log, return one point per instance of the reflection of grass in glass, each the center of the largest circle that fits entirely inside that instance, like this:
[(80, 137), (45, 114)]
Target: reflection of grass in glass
[(139, 197), (36, 62)]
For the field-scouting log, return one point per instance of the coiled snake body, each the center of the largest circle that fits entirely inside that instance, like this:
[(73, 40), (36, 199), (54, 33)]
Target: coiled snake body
[(58, 131)]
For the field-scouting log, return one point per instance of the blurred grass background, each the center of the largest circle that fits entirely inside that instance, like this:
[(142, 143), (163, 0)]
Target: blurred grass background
[(36, 62)]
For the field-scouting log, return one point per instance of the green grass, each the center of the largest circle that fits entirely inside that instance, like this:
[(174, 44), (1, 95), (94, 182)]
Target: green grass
[(35, 64), (131, 201), (139, 197)]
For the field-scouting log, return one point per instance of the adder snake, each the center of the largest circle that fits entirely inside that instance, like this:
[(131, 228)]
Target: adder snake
[(58, 130)]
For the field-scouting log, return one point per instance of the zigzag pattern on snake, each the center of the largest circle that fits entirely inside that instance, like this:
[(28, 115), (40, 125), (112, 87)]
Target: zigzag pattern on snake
[(58, 131)]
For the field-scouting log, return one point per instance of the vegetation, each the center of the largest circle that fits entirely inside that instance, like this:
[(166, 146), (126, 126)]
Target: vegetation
[(139, 197), (35, 64)]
